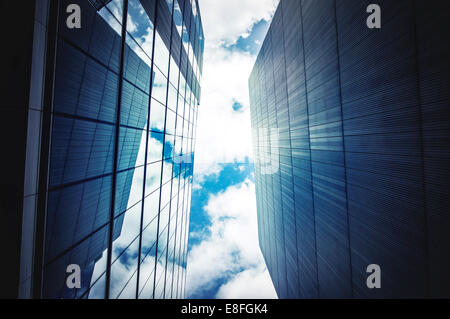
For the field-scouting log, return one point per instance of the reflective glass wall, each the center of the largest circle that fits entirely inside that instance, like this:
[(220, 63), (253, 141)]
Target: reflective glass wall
[(124, 107)]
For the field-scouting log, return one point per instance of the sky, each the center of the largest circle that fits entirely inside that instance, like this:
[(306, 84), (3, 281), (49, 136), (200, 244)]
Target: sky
[(224, 259)]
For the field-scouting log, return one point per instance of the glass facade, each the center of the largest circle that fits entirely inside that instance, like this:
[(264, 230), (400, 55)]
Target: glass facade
[(124, 105), (351, 149)]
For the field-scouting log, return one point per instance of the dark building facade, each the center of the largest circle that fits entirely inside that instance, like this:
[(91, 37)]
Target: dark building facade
[(352, 148), (107, 157)]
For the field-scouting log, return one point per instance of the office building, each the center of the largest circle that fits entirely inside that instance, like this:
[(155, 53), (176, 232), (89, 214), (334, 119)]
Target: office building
[(107, 106), (351, 140)]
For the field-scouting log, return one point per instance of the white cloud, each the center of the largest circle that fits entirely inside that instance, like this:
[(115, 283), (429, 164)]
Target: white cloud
[(229, 246), (225, 21), (253, 283), (223, 135), (229, 251), (131, 25)]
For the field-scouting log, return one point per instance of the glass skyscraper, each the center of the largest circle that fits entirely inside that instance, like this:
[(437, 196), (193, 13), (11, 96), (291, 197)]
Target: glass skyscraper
[(110, 147), (351, 140)]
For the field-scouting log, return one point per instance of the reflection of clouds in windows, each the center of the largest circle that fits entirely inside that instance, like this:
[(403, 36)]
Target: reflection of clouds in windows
[(146, 41), (173, 96), (152, 181), (170, 141), (157, 116), (84, 214), (185, 38), (178, 144), (124, 271), (112, 14), (130, 229), (146, 278), (170, 124), (125, 248), (132, 26), (98, 286), (116, 6), (148, 262), (142, 46), (178, 18), (174, 72), (161, 54), (136, 187), (165, 190), (155, 147), (159, 86), (141, 153), (151, 206), (140, 27), (168, 148), (182, 88), (147, 275), (111, 20)]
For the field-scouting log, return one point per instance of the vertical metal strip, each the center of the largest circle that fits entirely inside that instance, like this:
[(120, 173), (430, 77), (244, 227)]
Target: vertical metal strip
[(175, 143), (146, 158), (181, 166), (116, 151), (171, 182), (161, 179), (189, 185)]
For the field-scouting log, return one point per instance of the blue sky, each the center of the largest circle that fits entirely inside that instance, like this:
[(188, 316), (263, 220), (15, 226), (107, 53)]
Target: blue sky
[(252, 41), (224, 259), (231, 174)]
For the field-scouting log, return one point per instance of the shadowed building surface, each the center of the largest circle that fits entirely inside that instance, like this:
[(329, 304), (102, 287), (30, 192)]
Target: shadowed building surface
[(108, 167), (351, 140)]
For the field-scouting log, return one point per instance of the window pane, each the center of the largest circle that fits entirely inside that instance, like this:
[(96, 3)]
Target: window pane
[(159, 90), (155, 147), (161, 55), (157, 116)]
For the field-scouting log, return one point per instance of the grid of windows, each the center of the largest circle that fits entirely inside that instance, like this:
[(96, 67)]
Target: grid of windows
[(351, 133), (125, 104)]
